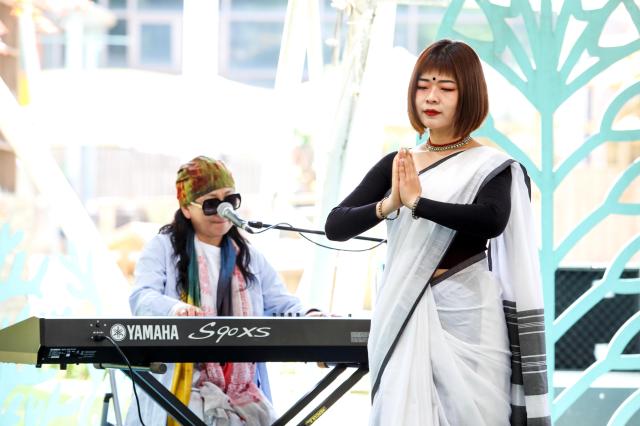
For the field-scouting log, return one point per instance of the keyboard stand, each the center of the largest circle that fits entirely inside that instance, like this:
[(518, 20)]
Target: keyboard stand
[(174, 407), (328, 401), (163, 397)]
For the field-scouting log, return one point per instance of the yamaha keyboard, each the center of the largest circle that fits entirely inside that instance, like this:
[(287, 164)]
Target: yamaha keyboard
[(146, 341)]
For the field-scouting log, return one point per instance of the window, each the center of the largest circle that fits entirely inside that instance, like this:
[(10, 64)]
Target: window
[(160, 4), (117, 4), (155, 44), (253, 5), (117, 50)]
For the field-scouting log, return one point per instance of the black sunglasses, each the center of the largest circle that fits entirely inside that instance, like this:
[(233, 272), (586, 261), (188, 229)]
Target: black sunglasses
[(210, 207)]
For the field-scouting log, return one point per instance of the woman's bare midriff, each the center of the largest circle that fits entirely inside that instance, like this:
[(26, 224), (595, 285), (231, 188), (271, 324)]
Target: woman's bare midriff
[(439, 272)]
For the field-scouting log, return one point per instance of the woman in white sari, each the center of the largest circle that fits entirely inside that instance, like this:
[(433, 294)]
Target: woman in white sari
[(457, 334)]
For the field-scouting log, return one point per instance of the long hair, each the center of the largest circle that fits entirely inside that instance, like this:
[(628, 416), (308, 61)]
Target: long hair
[(181, 230)]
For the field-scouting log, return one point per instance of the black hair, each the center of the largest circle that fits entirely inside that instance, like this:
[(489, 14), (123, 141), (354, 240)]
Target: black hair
[(181, 229)]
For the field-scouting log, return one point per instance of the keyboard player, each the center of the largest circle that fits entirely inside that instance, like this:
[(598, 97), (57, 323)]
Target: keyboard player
[(200, 264)]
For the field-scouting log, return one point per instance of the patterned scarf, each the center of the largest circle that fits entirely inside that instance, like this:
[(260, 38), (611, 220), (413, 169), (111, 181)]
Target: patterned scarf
[(229, 391)]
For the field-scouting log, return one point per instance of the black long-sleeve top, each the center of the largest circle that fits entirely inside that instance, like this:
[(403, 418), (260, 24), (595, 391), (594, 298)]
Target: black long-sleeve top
[(486, 217)]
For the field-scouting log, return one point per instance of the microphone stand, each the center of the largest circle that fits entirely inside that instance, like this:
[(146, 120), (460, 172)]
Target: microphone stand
[(258, 225)]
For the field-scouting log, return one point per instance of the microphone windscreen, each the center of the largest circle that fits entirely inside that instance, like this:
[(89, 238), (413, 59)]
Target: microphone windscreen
[(224, 207)]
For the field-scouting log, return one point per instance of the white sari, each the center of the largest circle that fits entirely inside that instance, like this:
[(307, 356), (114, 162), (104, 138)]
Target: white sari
[(442, 354)]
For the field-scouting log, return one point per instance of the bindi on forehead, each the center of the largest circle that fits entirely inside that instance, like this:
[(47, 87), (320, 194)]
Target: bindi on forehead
[(437, 79)]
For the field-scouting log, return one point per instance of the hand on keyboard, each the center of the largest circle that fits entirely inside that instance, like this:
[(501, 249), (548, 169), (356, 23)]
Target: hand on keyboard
[(189, 311)]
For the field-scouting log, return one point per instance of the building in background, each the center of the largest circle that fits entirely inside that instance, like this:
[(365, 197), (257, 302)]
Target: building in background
[(148, 35)]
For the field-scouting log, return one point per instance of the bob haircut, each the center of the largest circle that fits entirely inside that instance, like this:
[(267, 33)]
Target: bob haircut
[(460, 61)]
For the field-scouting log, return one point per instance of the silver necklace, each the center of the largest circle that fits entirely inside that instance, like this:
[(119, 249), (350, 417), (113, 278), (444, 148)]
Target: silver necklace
[(453, 145)]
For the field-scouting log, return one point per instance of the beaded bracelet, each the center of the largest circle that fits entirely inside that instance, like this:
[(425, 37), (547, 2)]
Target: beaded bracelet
[(413, 208), (379, 208)]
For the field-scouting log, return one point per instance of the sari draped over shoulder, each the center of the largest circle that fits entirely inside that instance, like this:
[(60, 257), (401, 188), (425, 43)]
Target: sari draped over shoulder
[(470, 349)]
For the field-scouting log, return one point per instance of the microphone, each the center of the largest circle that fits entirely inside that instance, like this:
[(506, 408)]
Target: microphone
[(227, 211)]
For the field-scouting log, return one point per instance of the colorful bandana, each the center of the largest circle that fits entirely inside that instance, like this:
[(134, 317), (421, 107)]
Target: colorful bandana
[(200, 176)]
